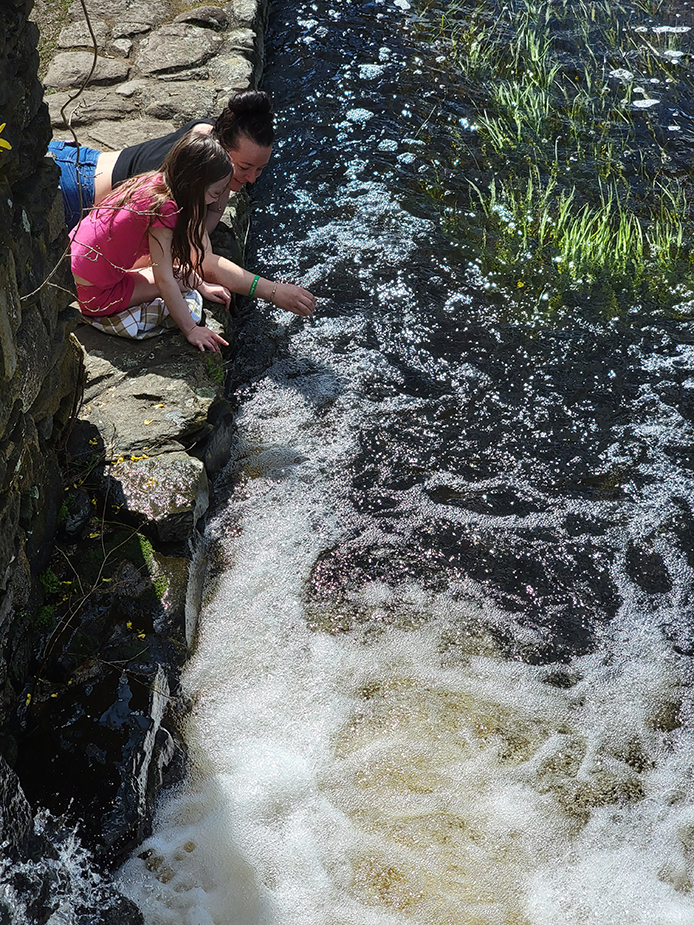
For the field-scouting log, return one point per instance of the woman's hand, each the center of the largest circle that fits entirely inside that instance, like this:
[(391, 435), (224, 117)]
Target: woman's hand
[(215, 293), (205, 339), (294, 299)]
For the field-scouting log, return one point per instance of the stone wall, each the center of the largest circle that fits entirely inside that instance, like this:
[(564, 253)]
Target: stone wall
[(90, 648), (40, 363)]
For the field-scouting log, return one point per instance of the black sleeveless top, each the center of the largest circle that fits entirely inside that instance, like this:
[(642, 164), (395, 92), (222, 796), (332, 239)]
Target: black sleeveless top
[(149, 155)]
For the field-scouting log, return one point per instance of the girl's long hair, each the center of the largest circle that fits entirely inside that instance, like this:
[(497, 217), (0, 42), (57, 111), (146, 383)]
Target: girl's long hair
[(191, 166), (248, 113)]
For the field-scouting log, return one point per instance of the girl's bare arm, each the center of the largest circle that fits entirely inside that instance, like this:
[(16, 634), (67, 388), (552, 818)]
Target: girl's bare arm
[(169, 289)]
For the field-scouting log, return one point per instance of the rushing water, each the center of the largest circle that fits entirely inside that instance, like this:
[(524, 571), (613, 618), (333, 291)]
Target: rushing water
[(443, 673)]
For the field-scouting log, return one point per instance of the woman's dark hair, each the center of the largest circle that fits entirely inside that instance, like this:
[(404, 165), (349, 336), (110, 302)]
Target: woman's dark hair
[(194, 163), (248, 113)]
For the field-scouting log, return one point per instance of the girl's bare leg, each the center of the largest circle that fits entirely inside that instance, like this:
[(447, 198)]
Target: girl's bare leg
[(146, 289)]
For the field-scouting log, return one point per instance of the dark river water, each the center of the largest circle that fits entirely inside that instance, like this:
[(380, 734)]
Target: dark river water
[(444, 671)]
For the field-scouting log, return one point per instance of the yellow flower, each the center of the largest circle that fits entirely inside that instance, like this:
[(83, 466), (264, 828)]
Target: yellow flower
[(3, 143)]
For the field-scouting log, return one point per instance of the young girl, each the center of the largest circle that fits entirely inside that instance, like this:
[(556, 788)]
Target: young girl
[(143, 244)]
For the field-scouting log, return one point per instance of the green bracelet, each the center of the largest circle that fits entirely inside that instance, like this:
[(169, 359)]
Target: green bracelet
[(253, 285)]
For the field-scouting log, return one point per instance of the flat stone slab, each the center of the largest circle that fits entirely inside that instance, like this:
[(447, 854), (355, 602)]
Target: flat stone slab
[(144, 398), (113, 136)]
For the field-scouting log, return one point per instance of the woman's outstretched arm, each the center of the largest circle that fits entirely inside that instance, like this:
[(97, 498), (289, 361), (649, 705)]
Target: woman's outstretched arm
[(284, 295)]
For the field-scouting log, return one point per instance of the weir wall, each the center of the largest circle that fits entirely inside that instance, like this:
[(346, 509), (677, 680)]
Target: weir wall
[(107, 447)]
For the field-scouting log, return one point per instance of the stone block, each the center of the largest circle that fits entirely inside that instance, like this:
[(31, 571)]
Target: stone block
[(121, 47), (177, 47), (195, 73), (232, 72), (16, 820), (90, 106), (72, 68), (113, 136), (178, 103), (10, 414), (245, 12), (34, 354), (55, 225), (77, 35), (146, 397), (41, 502), (63, 378), (151, 12), (210, 17), (128, 30), (10, 317), (9, 526), (240, 40), (15, 582), (215, 451), (169, 491)]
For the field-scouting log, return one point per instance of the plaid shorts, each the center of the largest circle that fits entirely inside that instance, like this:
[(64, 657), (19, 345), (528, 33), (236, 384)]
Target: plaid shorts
[(146, 320)]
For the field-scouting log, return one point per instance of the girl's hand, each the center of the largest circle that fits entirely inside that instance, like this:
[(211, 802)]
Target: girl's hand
[(205, 339), (294, 299), (215, 293)]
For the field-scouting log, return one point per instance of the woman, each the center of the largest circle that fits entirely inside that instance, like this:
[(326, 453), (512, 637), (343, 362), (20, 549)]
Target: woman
[(245, 130)]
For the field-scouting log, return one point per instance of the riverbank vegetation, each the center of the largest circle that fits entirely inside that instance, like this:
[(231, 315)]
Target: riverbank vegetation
[(569, 179)]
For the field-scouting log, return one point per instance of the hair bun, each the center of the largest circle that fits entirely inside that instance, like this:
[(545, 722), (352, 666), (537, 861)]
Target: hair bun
[(250, 102), (247, 113)]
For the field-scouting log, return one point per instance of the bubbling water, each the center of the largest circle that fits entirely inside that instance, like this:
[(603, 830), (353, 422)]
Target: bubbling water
[(406, 773)]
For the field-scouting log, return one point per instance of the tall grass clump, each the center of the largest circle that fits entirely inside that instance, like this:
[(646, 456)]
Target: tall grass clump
[(565, 192)]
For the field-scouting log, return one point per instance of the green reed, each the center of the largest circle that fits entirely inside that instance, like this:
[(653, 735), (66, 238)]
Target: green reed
[(569, 195)]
